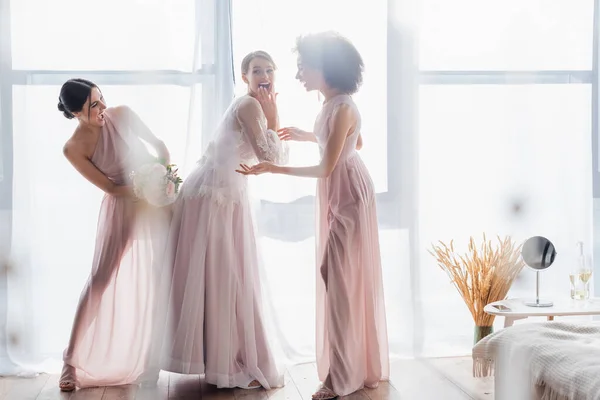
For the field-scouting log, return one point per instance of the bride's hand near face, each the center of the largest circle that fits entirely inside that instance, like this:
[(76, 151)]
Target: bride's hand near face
[(296, 134), (268, 103)]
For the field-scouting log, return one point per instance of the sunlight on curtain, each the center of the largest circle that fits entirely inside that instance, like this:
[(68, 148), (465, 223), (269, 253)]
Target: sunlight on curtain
[(114, 35), (489, 149), (2, 149), (485, 149), (55, 209), (482, 149), (512, 35), (269, 25), (289, 248)]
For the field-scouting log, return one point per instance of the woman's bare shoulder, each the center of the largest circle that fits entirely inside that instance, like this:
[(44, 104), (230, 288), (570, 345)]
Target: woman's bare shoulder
[(79, 144)]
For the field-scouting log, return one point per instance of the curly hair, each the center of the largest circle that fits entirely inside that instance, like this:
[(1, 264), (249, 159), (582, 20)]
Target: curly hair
[(335, 56)]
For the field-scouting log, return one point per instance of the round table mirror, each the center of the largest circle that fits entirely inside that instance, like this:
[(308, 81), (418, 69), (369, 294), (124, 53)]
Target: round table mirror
[(539, 254)]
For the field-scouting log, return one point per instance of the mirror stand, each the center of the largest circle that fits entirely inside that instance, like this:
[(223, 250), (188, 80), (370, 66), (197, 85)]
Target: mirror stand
[(537, 302), (539, 254)]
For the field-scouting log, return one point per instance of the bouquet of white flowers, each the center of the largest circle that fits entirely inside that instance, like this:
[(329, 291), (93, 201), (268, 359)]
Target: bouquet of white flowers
[(156, 183)]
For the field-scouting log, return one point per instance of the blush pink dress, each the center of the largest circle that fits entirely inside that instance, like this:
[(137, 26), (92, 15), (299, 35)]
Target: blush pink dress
[(352, 343), (111, 336), (215, 317)]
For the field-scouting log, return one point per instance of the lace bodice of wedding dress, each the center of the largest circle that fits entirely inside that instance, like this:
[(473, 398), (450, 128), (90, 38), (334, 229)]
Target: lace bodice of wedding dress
[(242, 137)]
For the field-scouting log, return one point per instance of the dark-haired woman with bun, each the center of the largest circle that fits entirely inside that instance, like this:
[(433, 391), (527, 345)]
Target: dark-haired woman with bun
[(111, 334), (352, 344)]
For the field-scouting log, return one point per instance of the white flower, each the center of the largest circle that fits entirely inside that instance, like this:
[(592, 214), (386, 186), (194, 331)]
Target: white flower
[(170, 189), (153, 183), (157, 172), (144, 170)]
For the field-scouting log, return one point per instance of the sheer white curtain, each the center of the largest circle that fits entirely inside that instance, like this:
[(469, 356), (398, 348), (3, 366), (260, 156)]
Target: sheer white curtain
[(504, 152), (477, 118), (170, 61), (470, 111), (286, 218)]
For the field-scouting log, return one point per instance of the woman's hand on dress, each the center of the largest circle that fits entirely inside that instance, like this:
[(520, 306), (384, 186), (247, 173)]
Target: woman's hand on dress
[(261, 168), (295, 134), (127, 192), (141, 205), (123, 191), (268, 102)]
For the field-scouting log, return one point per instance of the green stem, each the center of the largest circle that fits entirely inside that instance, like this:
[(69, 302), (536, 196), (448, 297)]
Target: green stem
[(481, 332)]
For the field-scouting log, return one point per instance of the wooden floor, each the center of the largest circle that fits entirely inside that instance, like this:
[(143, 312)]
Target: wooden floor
[(442, 378)]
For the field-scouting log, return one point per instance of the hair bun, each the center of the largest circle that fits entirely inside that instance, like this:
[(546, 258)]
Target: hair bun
[(63, 109)]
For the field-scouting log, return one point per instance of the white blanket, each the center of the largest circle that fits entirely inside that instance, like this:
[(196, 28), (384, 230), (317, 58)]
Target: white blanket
[(561, 358)]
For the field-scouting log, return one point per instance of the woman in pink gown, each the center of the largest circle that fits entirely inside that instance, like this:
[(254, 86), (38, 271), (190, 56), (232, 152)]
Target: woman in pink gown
[(352, 346), (215, 316), (110, 338)]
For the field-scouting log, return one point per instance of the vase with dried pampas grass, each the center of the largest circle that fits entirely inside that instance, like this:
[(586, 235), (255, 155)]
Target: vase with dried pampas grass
[(482, 275)]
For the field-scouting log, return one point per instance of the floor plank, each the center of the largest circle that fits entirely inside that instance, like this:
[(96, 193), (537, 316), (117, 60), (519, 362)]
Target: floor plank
[(459, 370), (429, 379), (210, 392), (125, 392), (88, 394), (358, 395), (5, 384), (288, 392), (51, 391), (414, 379), (250, 394), (26, 388), (184, 387), (158, 392), (385, 391), (306, 379)]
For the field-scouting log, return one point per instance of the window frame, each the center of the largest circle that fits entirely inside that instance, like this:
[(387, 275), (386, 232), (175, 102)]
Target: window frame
[(205, 75), (402, 127), (596, 142), (399, 131), (402, 131)]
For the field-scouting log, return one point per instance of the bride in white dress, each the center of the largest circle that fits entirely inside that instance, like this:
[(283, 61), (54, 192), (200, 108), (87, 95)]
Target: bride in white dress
[(215, 319)]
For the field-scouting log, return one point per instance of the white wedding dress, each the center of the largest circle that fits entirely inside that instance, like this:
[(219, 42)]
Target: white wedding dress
[(215, 318)]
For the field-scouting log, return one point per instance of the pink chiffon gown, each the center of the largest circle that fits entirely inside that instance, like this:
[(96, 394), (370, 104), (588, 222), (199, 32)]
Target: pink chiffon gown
[(352, 343), (215, 317), (111, 336)]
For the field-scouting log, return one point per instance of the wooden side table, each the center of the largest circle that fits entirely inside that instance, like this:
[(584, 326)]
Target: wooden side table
[(515, 309)]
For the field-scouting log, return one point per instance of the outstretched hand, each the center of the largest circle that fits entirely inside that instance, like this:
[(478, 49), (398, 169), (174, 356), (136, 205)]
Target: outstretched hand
[(261, 168), (293, 133)]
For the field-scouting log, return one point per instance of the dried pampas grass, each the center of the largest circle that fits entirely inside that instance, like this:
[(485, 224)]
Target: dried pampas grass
[(483, 275)]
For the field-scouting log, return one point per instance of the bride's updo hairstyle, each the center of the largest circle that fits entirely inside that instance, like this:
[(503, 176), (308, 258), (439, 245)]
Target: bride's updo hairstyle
[(256, 54)]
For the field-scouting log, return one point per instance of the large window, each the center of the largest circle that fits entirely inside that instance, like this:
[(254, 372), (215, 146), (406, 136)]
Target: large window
[(505, 133), (511, 35), (120, 35), (273, 26), (158, 57), (287, 219), (477, 117)]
